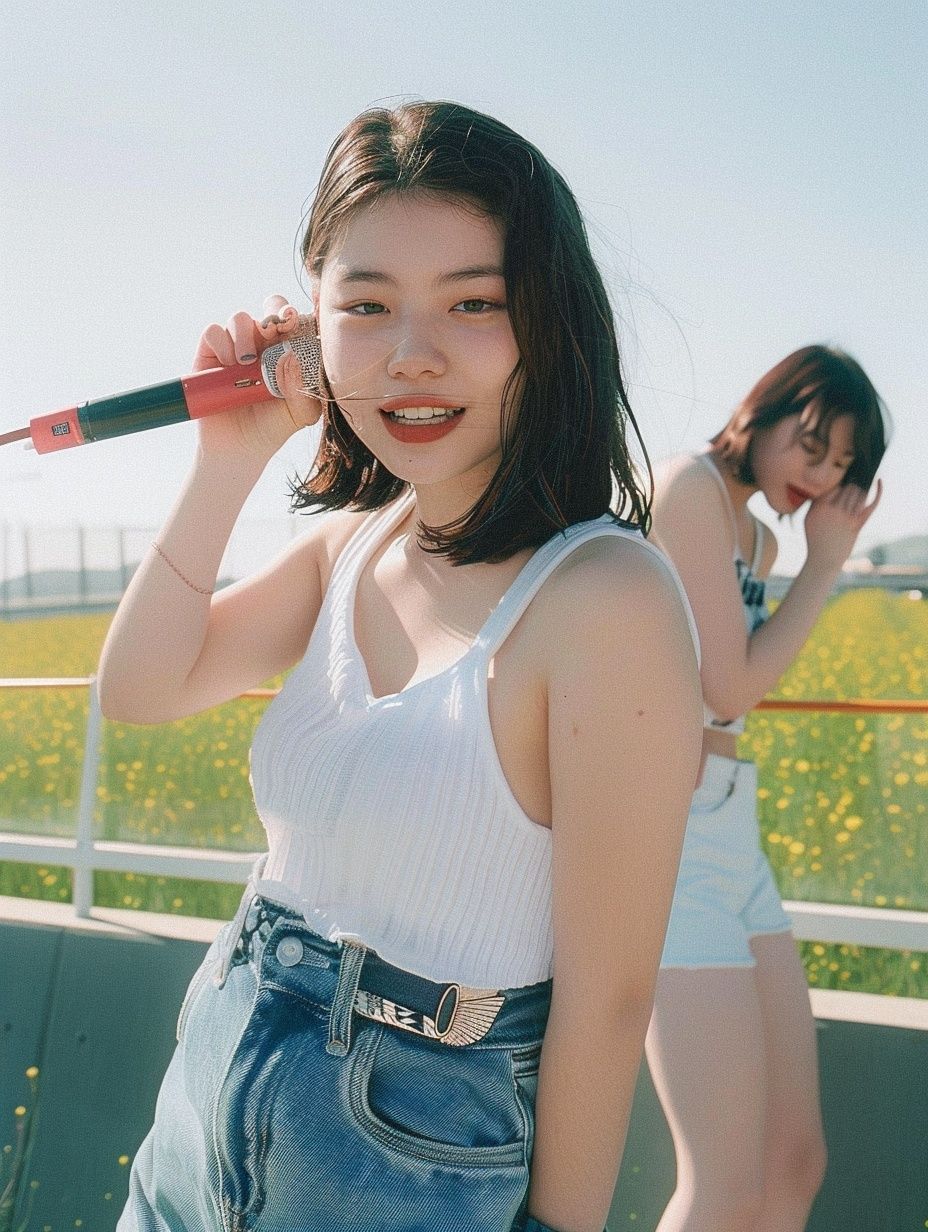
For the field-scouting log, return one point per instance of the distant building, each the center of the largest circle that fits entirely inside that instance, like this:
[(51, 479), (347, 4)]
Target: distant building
[(908, 553), (899, 565)]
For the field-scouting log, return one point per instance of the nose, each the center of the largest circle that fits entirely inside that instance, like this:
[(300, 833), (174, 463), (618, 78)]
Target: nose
[(418, 354)]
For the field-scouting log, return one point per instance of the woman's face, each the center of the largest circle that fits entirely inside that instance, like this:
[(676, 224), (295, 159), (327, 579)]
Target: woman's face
[(416, 337), (793, 464)]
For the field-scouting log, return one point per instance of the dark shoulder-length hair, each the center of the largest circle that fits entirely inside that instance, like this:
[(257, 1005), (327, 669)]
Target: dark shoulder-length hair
[(818, 383), (565, 457)]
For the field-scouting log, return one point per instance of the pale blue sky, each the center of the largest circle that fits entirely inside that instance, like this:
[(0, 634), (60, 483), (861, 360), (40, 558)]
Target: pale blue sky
[(754, 176)]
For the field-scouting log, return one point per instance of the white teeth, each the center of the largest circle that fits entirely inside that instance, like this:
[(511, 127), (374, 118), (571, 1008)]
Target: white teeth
[(422, 412)]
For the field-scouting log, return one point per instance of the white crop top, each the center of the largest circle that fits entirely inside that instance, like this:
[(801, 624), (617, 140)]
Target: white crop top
[(390, 819)]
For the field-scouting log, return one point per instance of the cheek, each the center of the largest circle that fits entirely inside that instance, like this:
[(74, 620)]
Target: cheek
[(507, 351), (333, 363), (491, 368), (345, 359), (763, 461)]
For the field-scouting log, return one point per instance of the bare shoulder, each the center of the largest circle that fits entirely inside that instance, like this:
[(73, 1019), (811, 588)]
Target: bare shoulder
[(684, 484), (691, 520), (614, 645), (320, 543), (616, 563), (289, 589), (615, 592)]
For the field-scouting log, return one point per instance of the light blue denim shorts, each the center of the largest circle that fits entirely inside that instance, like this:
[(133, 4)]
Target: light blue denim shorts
[(286, 1110), (725, 892)]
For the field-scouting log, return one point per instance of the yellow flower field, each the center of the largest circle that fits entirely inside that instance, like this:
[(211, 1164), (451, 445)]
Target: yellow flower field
[(842, 798)]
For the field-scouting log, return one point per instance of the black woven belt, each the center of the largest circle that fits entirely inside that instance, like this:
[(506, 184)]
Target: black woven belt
[(449, 1013)]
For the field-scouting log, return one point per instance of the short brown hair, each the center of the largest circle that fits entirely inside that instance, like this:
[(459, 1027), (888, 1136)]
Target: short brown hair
[(818, 383)]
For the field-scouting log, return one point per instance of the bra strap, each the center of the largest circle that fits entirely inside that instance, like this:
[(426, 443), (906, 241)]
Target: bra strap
[(726, 495)]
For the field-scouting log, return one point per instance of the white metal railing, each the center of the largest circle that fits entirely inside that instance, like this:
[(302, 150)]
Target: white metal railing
[(84, 854)]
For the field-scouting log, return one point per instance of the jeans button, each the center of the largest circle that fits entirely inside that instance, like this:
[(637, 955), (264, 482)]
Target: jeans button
[(289, 951)]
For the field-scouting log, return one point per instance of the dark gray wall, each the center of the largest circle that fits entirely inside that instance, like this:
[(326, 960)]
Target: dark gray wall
[(96, 1014)]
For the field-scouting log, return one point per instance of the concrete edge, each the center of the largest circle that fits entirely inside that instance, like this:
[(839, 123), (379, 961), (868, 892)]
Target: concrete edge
[(114, 921), (836, 1005)]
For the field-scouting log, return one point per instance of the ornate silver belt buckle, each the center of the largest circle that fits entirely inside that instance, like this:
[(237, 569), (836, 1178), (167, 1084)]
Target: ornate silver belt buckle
[(464, 1015)]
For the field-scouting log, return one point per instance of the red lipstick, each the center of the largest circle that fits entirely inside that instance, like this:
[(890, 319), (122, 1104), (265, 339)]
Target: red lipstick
[(420, 431)]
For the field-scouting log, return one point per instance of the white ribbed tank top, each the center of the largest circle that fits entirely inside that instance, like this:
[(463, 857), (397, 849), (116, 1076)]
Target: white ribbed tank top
[(390, 819)]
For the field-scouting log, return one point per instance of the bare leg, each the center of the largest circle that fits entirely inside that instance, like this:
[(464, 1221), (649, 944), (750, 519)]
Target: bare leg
[(795, 1145), (705, 1048)]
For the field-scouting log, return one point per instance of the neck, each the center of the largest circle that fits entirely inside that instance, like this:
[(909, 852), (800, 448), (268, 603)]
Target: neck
[(442, 503)]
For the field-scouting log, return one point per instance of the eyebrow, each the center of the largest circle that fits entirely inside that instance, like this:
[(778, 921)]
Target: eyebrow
[(468, 274)]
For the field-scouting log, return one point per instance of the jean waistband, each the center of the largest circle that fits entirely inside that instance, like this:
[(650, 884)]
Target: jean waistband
[(360, 982)]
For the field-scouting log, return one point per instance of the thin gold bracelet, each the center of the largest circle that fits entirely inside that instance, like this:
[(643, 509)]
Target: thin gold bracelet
[(167, 560)]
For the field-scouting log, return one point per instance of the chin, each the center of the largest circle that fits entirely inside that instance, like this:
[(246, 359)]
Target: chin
[(780, 505)]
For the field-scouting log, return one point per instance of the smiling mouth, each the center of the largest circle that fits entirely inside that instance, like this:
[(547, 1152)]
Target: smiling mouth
[(797, 496), (423, 416)]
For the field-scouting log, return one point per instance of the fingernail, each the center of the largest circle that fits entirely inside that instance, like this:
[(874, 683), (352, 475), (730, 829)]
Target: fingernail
[(248, 359)]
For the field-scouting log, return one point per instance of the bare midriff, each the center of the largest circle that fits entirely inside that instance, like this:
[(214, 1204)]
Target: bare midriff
[(722, 743)]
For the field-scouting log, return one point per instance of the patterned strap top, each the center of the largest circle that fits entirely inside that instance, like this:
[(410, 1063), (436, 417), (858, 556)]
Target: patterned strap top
[(752, 588)]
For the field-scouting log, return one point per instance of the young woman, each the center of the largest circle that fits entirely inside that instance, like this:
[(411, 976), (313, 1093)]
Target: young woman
[(464, 780), (731, 1044)]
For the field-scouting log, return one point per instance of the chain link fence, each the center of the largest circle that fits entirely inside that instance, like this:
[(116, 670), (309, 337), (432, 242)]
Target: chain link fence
[(74, 568)]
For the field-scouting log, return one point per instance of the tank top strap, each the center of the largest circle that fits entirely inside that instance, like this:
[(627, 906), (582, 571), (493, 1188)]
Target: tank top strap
[(363, 542), (542, 564), (726, 496)]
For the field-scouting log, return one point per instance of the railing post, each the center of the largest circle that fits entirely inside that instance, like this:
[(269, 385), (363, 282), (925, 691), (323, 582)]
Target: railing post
[(83, 855), (5, 567), (82, 563)]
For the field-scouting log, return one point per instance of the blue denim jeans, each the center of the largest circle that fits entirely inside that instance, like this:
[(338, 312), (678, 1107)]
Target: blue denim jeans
[(283, 1110)]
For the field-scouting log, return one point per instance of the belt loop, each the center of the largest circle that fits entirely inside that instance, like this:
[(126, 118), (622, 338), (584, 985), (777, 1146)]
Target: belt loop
[(235, 931), (349, 973), (238, 922)]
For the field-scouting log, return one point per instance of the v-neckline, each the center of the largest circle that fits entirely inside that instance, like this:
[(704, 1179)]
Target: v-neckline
[(351, 599)]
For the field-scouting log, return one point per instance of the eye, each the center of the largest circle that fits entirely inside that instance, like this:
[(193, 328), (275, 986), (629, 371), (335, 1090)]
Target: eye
[(477, 306), (367, 308)]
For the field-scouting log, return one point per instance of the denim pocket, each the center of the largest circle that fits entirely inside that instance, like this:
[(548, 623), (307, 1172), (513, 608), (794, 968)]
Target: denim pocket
[(435, 1103), (525, 1063)]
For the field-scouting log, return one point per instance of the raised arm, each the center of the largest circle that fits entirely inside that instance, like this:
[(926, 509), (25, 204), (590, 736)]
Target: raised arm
[(173, 648), (693, 526), (624, 739)]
